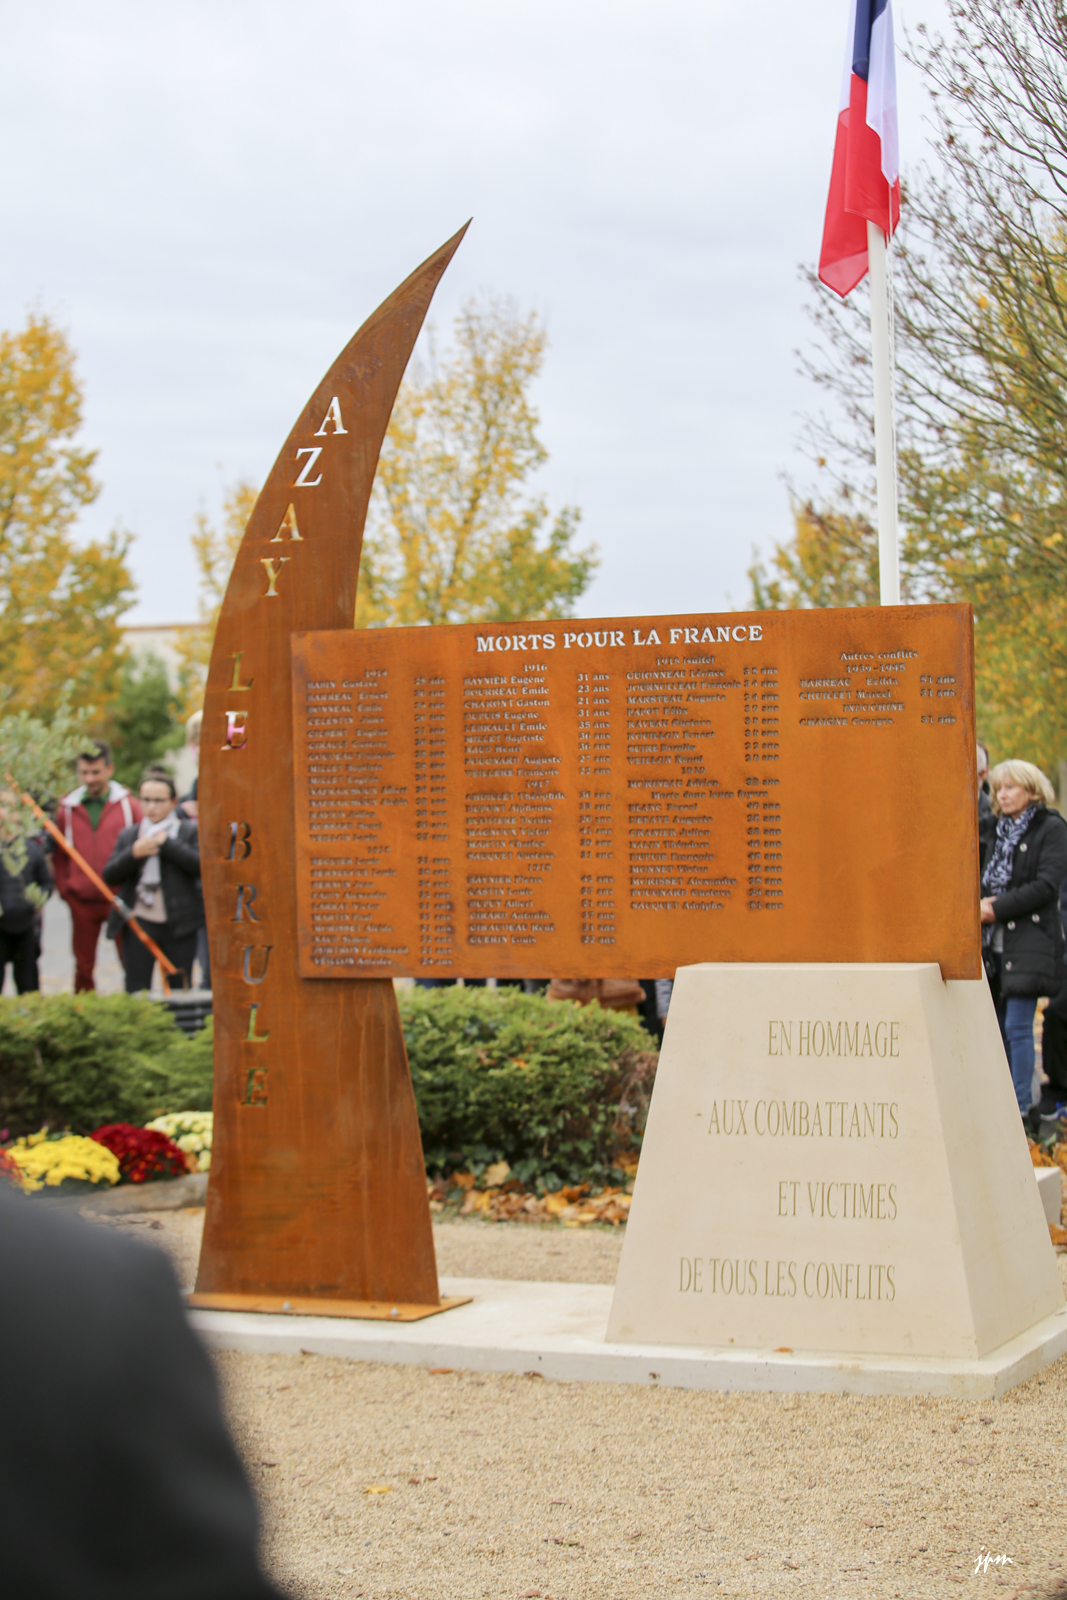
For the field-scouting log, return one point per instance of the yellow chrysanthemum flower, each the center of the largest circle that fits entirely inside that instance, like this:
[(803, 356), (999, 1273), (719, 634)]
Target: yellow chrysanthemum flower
[(47, 1162)]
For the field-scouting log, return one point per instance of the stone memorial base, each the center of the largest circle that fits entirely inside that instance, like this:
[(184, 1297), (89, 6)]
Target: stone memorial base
[(557, 1331), (835, 1195), (834, 1163)]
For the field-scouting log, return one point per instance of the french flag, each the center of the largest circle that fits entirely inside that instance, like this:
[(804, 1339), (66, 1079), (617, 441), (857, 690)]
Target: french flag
[(865, 181)]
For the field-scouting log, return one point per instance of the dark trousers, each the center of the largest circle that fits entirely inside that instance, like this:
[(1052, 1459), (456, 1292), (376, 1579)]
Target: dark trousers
[(1015, 1014), (87, 918), (19, 950), (1054, 1053), (450, 983), (179, 949)]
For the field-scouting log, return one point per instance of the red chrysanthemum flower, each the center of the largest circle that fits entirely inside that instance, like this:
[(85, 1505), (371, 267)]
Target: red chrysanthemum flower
[(143, 1153)]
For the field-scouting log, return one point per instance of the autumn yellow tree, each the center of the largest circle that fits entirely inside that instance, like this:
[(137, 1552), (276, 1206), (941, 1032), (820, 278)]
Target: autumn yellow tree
[(981, 343), (831, 560), (60, 601), (454, 534)]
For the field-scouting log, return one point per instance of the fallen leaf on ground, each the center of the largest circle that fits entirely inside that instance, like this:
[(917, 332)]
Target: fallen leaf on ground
[(500, 1199), (439, 1372)]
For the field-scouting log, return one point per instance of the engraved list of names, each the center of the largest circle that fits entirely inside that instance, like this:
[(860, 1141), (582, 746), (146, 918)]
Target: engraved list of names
[(625, 796)]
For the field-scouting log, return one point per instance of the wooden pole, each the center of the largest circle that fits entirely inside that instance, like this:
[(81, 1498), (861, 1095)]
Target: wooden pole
[(885, 449)]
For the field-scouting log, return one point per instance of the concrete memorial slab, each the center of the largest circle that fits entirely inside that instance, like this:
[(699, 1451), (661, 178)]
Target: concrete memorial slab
[(557, 1331), (834, 1162)]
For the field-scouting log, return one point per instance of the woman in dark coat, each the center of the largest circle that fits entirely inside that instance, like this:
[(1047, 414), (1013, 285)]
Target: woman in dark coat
[(156, 867), (1023, 866)]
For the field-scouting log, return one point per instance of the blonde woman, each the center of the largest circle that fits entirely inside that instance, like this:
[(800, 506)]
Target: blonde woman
[(1023, 865)]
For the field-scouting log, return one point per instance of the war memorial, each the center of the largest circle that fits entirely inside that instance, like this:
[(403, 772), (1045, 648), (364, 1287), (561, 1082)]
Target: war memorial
[(834, 1190)]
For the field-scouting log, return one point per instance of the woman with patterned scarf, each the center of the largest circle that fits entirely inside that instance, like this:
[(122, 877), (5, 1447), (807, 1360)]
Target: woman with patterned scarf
[(1023, 865)]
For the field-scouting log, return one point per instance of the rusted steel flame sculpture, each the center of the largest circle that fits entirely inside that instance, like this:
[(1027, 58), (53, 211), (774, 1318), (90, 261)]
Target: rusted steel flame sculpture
[(317, 1199)]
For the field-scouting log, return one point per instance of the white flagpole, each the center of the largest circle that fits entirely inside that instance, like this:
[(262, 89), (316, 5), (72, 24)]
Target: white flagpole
[(885, 445)]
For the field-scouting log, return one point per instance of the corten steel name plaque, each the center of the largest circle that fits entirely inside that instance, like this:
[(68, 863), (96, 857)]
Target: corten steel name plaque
[(619, 797), (317, 1199)]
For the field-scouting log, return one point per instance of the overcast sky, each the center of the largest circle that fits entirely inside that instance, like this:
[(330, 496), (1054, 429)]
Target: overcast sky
[(212, 197)]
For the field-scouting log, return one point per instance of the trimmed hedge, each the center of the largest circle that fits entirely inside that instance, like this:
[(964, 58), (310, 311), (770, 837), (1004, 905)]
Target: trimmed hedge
[(559, 1091), (76, 1061)]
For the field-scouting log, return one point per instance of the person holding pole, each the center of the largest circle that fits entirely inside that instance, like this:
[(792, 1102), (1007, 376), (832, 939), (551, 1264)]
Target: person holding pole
[(90, 819), (862, 213), (118, 907)]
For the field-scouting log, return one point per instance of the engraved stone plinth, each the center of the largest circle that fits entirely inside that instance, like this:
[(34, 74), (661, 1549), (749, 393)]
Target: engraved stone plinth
[(834, 1162)]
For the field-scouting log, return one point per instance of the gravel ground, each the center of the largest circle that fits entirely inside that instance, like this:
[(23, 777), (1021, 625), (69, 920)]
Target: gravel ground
[(505, 1487), (544, 1252)]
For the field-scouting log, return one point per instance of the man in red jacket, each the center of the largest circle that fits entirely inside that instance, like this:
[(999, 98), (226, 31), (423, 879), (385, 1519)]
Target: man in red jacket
[(90, 818)]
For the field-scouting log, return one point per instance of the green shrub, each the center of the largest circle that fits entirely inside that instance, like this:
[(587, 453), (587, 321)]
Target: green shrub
[(77, 1061), (559, 1091)]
